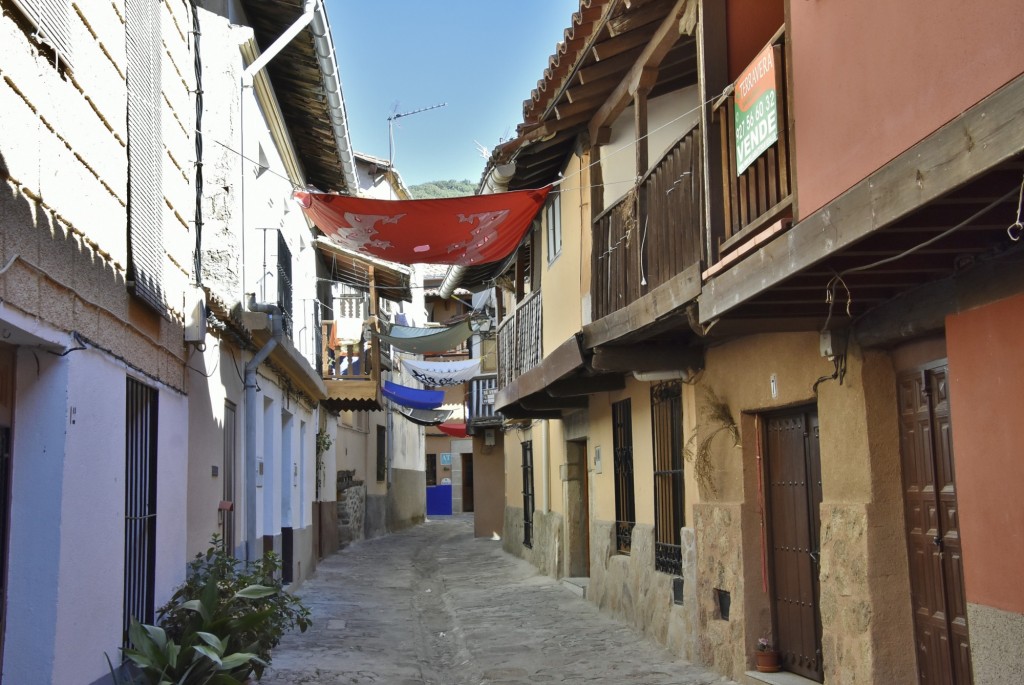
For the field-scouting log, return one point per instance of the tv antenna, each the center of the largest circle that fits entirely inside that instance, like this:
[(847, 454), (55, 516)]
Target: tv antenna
[(391, 132)]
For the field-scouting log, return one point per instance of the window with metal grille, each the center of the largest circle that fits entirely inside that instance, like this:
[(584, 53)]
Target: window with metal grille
[(667, 430), (284, 282), (139, 503), (51, 20), (528, 493), (145, 153), (625, 506)]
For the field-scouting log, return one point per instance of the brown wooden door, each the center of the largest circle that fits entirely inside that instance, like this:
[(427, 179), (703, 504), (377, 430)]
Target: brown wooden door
[(794, 499), (933, 535)]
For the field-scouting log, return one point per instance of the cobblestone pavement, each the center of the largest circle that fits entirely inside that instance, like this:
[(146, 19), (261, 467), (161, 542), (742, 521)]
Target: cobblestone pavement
[(434, 605)]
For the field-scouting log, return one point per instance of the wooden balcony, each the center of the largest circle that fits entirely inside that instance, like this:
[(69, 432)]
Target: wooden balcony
[(651, 235), (757, 202), (519, 340), (482, 390), (350, 368)]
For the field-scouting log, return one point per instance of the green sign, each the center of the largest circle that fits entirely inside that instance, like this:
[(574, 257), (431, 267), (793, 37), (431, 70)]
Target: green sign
[(757, 119)]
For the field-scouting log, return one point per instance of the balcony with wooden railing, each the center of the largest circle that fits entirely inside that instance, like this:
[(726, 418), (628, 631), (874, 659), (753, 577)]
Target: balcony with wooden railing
[(757, 201), (482, 391), (519, 340), (350, 356), (651, 235)]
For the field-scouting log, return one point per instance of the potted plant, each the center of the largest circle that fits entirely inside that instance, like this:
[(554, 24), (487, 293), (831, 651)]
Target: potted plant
[(767, 657)]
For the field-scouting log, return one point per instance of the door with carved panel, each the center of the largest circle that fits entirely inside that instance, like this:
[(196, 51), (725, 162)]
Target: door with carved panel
[(793, 477), (933, 529)]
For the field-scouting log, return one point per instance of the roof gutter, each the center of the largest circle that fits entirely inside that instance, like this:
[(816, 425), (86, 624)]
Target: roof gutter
[(496, 182), (314, 16)]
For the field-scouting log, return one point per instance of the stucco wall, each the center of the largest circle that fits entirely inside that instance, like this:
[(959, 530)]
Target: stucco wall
[(562, 314), (891, 73)]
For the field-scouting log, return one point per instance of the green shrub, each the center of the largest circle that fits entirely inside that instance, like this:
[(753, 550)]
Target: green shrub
[(219, 627), (243, 603)]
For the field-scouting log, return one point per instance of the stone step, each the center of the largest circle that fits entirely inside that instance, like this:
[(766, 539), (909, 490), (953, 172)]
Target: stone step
[(577, 585)]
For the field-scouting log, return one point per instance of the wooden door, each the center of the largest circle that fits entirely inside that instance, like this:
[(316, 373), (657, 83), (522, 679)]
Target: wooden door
[(933, 535), (794, 499), (467, 482)]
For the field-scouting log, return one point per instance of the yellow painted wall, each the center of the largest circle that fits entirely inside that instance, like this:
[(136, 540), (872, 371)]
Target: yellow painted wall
[(560, 279)]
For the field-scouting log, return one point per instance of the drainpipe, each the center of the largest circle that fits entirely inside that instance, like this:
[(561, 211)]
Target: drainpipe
[(496, 182), (250, 420)]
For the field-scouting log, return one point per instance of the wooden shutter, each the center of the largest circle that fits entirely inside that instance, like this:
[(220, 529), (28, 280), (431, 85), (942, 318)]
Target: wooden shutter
[(145, 154), (52, 19)]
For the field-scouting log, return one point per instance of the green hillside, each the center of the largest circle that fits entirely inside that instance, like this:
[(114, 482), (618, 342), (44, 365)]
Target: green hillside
[(450, 188)]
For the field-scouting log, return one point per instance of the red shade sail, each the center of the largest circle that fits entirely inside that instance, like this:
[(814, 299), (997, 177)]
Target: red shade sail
[(468, 231), (456, 429)]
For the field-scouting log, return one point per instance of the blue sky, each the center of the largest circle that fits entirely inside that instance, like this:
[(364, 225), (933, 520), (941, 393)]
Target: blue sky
[(482, 57)]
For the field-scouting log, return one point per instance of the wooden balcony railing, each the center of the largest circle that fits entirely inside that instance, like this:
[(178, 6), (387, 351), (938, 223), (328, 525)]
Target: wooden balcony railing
[(348, 360), (754, 200), (653, 233), (519, 340), (481, 399)]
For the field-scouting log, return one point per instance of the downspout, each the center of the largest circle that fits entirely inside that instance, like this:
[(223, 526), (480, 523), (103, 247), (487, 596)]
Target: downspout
[(545, 458), (250, 420), (496, 182)]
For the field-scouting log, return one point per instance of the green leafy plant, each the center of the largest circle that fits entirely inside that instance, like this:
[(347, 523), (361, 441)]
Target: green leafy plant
[(203, 659), (243, 604)]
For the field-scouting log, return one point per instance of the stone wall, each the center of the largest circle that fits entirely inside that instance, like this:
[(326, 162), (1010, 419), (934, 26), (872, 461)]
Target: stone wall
[(630, 587), (351, 514), (407, 499), (546, 553), (375, 522), (721, 643)]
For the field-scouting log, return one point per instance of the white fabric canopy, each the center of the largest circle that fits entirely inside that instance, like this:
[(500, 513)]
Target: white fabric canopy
[(442, 374)]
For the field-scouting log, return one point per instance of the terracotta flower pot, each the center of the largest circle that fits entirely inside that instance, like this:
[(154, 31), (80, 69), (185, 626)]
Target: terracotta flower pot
[(768, 662)]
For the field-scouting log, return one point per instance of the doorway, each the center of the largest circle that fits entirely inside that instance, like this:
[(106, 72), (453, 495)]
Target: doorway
[(793, 475), (933, 535), (7, 353), (467, 482), (577, 502)]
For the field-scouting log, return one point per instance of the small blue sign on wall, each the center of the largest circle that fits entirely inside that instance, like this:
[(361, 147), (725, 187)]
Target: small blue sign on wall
[(446, 458)]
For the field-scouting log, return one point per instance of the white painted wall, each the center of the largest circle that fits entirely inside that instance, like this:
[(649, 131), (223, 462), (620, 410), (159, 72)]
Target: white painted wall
[(669, 117)]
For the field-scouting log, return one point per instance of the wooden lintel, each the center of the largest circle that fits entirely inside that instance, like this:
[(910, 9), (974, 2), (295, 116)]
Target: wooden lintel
[(647, 357), (666, 299), (649, 60), (587, 385), (517, 412), (542, 401), (980, 139)]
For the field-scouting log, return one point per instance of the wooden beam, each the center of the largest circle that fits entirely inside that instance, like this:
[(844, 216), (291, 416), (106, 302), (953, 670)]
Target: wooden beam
[(595, 88), (616, 46), (666, 299), (978, 140), (543, 401), (609, 67), (647, 62), (647, 357), (587, 385), (648, 14), (517, 412), (562, 361)]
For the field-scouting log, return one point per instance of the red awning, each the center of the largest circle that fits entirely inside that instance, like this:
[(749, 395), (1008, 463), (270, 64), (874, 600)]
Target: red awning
[(456, 429), (468, 231)]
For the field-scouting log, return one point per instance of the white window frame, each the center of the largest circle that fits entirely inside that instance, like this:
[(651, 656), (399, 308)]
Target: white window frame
[(553, 225)]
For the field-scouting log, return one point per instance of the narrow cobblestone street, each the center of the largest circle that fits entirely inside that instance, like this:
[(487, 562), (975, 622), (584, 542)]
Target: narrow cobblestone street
[(434, 605)]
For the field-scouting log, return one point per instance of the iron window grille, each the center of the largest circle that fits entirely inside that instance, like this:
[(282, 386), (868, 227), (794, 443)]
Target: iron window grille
[(139, 503), (625, 503), (284, 282), (528, 494), (667, 431)]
